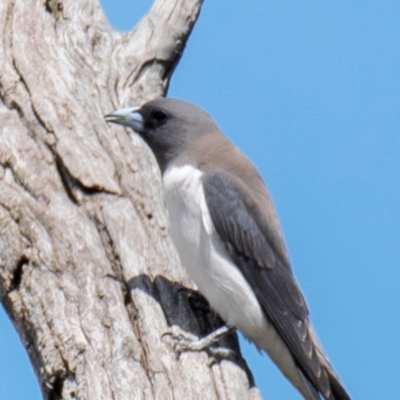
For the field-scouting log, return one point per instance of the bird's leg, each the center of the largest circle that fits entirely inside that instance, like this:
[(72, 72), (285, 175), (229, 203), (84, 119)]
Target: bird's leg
[(184, 341)]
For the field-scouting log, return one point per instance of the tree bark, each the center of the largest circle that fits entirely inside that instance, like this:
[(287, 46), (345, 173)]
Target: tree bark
[(88, 273)]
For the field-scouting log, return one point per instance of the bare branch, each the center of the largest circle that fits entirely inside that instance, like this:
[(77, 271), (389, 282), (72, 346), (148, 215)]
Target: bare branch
[(152, 50), (87, 271)]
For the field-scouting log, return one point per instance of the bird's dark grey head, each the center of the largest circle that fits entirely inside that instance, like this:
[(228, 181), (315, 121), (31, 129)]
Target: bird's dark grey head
[(168, 126)]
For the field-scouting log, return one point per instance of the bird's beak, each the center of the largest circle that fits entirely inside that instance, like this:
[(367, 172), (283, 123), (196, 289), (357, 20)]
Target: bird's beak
[(129, 116)]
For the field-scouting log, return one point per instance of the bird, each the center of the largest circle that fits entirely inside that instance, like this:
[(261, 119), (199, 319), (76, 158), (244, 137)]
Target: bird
[(225, 228)]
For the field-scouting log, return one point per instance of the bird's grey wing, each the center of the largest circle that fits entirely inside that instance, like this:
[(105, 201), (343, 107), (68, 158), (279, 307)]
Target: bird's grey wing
[(249, 238)]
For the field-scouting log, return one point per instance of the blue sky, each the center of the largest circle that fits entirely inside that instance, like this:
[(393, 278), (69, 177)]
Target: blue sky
[(310, 91)]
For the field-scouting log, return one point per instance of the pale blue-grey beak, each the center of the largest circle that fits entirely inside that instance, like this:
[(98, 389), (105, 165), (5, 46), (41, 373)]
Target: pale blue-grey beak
[(129, 116)]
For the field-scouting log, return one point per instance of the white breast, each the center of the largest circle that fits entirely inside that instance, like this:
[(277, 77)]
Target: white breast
[(202, 252)]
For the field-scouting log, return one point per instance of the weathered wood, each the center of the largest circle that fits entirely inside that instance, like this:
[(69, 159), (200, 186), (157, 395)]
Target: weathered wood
[(88, 273)]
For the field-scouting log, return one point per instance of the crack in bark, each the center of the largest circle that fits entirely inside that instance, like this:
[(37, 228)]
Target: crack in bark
[(110, 250), (56, 383), (47, 6), (67, 180), (18, 273), (55, 393), (55, 8), (75, 190)]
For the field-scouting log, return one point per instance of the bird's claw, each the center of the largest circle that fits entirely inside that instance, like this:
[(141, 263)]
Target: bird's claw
[(182, 341), (178, 338)]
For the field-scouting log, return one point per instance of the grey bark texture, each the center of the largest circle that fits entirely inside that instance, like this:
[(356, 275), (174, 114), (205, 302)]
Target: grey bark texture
[(88, 273)]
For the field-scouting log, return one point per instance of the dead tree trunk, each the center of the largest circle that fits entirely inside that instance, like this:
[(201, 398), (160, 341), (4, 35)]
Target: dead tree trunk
[(87, 270)]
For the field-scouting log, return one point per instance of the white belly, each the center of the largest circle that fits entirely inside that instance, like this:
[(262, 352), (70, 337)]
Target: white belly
[(203, 255)]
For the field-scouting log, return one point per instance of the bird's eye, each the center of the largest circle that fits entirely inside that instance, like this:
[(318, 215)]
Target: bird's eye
[(159, 116)]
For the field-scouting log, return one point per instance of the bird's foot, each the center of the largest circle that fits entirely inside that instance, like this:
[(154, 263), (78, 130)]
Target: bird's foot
[(183, 341)]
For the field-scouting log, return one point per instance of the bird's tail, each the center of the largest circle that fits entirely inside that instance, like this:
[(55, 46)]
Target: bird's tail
[(337, 390)]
